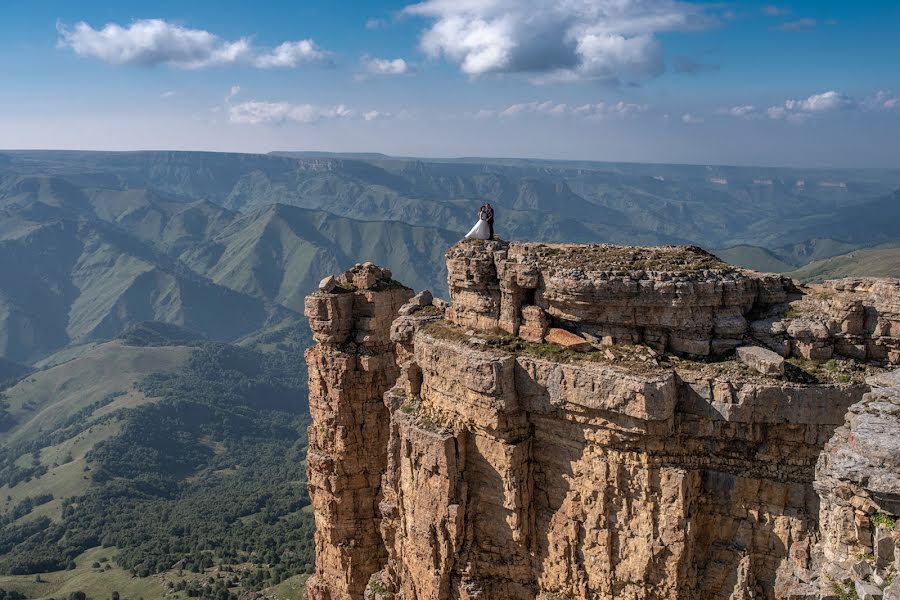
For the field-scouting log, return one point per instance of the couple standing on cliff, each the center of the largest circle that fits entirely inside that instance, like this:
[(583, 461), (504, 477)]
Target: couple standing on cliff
[(484, 228)]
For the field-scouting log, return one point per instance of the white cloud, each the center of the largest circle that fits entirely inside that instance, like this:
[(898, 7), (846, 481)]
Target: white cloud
[(691, 119), (255, 112), (746, 111), (551, 41), (375, 23), (372, 115), (800, 110), (384, 67), (290, 55), (150, 42), (167, 94), (234, 91), (595, 111)]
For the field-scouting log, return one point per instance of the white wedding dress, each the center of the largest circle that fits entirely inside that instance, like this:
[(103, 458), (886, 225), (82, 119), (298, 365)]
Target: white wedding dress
[(481, 231)]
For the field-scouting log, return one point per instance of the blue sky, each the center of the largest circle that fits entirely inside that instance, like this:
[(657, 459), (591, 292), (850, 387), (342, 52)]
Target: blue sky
[(794, 83)]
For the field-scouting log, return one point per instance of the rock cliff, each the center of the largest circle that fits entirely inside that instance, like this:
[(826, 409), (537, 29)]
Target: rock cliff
[(578, 424)]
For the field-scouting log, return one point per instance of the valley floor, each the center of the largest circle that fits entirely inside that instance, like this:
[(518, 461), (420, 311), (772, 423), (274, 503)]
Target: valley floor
[(97, 575)]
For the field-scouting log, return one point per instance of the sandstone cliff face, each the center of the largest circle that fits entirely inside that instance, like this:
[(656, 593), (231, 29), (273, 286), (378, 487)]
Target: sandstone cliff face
[(858, 481), (350, 368), (514, 469)]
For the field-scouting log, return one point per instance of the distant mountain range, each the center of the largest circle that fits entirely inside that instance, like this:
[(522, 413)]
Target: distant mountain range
[(228, 244)]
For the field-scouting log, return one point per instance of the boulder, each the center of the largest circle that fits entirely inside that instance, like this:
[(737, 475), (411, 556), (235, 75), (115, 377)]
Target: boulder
[(328, 284), (884, 547), (868, 591), (762, 360), (423, 298), (567, 340)]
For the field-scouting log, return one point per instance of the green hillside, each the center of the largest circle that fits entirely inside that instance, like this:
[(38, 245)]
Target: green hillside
[(69, 282), (162, 455), (54, 417), (876, 262)]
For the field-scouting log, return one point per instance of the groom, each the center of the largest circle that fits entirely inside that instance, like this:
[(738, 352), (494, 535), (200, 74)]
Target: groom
[(486, 212)]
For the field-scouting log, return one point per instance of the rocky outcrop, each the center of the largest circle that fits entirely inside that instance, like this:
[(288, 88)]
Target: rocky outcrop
[(858, 482), (672, 298), (351, 366), (615, 467), (857, 318), (669, 297)]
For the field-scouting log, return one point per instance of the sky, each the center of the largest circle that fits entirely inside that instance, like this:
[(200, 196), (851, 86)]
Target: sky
[(802, 83)]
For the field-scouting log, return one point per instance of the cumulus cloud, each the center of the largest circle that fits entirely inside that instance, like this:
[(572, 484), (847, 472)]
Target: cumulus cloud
[(254, 112), (150, 42), (691, 119), (800, 110), (595, 111), (384, 67), (290, 55), (578, 39)]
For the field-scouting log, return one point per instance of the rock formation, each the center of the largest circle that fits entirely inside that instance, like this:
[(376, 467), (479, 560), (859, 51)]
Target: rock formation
[(351, 366), (575, 425)]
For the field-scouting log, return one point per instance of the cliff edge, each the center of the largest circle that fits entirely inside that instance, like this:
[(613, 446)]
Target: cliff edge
[(603, 422)]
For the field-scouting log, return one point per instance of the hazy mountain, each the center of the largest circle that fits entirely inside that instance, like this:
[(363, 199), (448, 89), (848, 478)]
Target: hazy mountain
[(813, 249), (228, 244), (754, 257), (66, 281), (281, 252), (551, 200)]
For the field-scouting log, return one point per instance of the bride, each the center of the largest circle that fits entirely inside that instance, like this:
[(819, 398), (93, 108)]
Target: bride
[(482, 229)]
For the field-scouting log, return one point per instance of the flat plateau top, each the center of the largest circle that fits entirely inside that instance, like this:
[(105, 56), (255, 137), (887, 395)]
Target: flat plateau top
[(602, 257)]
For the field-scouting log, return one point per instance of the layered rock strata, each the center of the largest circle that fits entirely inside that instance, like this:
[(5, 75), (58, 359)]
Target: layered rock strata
[(513, 468), (672, 298), (351, 366), (858, 482)]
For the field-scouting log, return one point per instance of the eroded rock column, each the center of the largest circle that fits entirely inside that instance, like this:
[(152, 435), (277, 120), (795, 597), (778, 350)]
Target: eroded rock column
[(350, 368)]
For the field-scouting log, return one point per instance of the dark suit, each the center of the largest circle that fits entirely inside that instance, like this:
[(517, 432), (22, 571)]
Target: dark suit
[(488, 212)]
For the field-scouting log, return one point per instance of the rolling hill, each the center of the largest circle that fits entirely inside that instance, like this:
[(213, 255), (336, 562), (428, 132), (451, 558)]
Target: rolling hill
[(55, 417), (874, 262)]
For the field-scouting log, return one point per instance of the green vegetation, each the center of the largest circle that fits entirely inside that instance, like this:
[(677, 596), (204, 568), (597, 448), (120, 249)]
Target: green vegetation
[(209, 475), (154, 333), (96, 582), (882, 521), (831, 371), (843, 592)]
